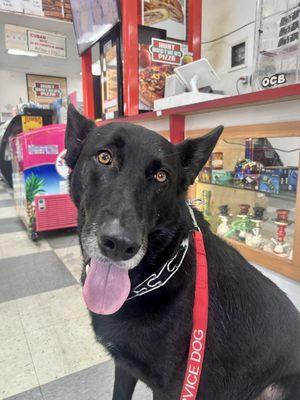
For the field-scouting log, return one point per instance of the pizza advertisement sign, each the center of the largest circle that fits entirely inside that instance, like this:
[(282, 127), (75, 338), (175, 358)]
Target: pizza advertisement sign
[(166, 52), (157, 61), (170, 15), (45, 89)]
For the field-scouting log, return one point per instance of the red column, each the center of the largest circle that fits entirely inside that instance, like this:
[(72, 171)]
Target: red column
[(177, 125), (87, 84), (130, 16), (195, 27)]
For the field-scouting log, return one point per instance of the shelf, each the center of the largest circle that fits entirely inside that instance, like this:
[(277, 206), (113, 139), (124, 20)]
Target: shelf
[(284, 93), (278, 264), (282, 196)]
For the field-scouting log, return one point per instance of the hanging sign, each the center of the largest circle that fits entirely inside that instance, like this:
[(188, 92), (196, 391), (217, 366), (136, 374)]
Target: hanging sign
[(47, 44)]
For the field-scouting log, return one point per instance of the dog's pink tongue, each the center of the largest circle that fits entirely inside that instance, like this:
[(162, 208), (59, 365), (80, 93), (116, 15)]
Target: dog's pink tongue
[(106, 288)]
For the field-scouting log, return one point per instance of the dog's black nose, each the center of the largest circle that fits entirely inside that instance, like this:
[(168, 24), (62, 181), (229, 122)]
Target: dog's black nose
[(118, 248)]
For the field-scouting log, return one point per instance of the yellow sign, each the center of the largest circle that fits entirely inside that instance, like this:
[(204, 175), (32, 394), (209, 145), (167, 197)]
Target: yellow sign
[(30, 123)]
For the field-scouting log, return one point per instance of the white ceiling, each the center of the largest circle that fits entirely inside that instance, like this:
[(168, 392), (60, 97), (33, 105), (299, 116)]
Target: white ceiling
[(71, 66)]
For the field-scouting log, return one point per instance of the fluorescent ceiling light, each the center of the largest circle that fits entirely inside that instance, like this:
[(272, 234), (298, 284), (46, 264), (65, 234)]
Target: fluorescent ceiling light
[(18, 52)]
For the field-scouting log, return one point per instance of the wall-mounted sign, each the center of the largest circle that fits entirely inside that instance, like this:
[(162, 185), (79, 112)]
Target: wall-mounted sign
[(166, 52), (166, 14), (15, 37), (274, 80), (46, 43), (11, 5), (33, 7), (26, 6), (45, 89)]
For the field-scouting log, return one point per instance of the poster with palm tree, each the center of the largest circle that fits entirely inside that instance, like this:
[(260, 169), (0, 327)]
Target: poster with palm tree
[(33, 186)]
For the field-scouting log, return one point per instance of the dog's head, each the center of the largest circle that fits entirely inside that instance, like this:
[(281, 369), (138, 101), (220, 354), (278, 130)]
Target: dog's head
[(125, 180)]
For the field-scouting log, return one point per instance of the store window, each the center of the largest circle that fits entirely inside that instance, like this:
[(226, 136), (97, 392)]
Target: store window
[(238, 55)]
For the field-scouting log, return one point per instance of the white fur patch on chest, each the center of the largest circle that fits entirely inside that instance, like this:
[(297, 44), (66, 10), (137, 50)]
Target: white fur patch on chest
[(272, 392)]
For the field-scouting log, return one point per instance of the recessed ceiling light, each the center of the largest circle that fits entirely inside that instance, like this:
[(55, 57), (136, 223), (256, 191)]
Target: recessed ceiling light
[(18, 52)]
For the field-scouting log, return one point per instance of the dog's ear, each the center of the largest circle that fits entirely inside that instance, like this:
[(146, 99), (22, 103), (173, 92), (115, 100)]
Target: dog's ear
[(76, 131), (194, 153)]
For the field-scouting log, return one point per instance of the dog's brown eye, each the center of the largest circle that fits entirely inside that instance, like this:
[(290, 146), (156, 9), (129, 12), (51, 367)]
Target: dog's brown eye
[(104, 157), (161, 176)]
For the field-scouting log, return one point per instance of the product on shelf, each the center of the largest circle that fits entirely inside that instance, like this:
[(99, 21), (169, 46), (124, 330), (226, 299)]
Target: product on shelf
[(217, 160), (223, 227), (255, 238), (221, 177), (206, 205), (205, 175), (292, 180), (282, 221), (269, 182), (247, 174), (242, 225), (276, 179), (244, 209)]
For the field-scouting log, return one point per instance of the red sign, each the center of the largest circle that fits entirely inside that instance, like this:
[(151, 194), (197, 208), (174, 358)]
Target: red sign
[(166, 52), (47, 89)]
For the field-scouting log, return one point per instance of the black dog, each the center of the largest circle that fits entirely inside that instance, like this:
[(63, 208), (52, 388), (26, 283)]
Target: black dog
[(129, 186)]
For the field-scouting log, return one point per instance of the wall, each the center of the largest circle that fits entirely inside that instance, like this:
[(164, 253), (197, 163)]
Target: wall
[(13, 86), (219, 19)]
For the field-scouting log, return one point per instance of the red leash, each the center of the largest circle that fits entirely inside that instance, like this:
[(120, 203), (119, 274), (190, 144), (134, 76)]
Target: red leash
[(200, 317)]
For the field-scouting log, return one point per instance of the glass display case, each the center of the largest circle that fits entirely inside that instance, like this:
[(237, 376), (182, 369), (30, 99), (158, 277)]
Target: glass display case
[(277, 48), (248, 193)]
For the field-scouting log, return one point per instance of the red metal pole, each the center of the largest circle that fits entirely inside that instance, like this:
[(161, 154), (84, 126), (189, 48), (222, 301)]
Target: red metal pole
[(177, 126), (87, 84), (130, 11), (195, 28)]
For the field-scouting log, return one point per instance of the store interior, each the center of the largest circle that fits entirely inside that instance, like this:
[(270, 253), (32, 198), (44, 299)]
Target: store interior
[(180, 73)]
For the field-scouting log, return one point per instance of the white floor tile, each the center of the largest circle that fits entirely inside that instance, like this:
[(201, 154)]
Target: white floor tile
[(17, 370), (50, 308), (72, 258), (64, 348), (7, 212), (18, 243), (5, 196)]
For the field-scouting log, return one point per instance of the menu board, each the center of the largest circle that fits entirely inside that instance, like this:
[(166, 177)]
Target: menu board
[(166, 14)]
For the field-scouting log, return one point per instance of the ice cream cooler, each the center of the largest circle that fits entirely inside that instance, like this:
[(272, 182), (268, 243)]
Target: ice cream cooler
[(40, 180)]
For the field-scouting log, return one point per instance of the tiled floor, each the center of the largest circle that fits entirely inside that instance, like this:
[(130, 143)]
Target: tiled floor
[(47, 347)]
